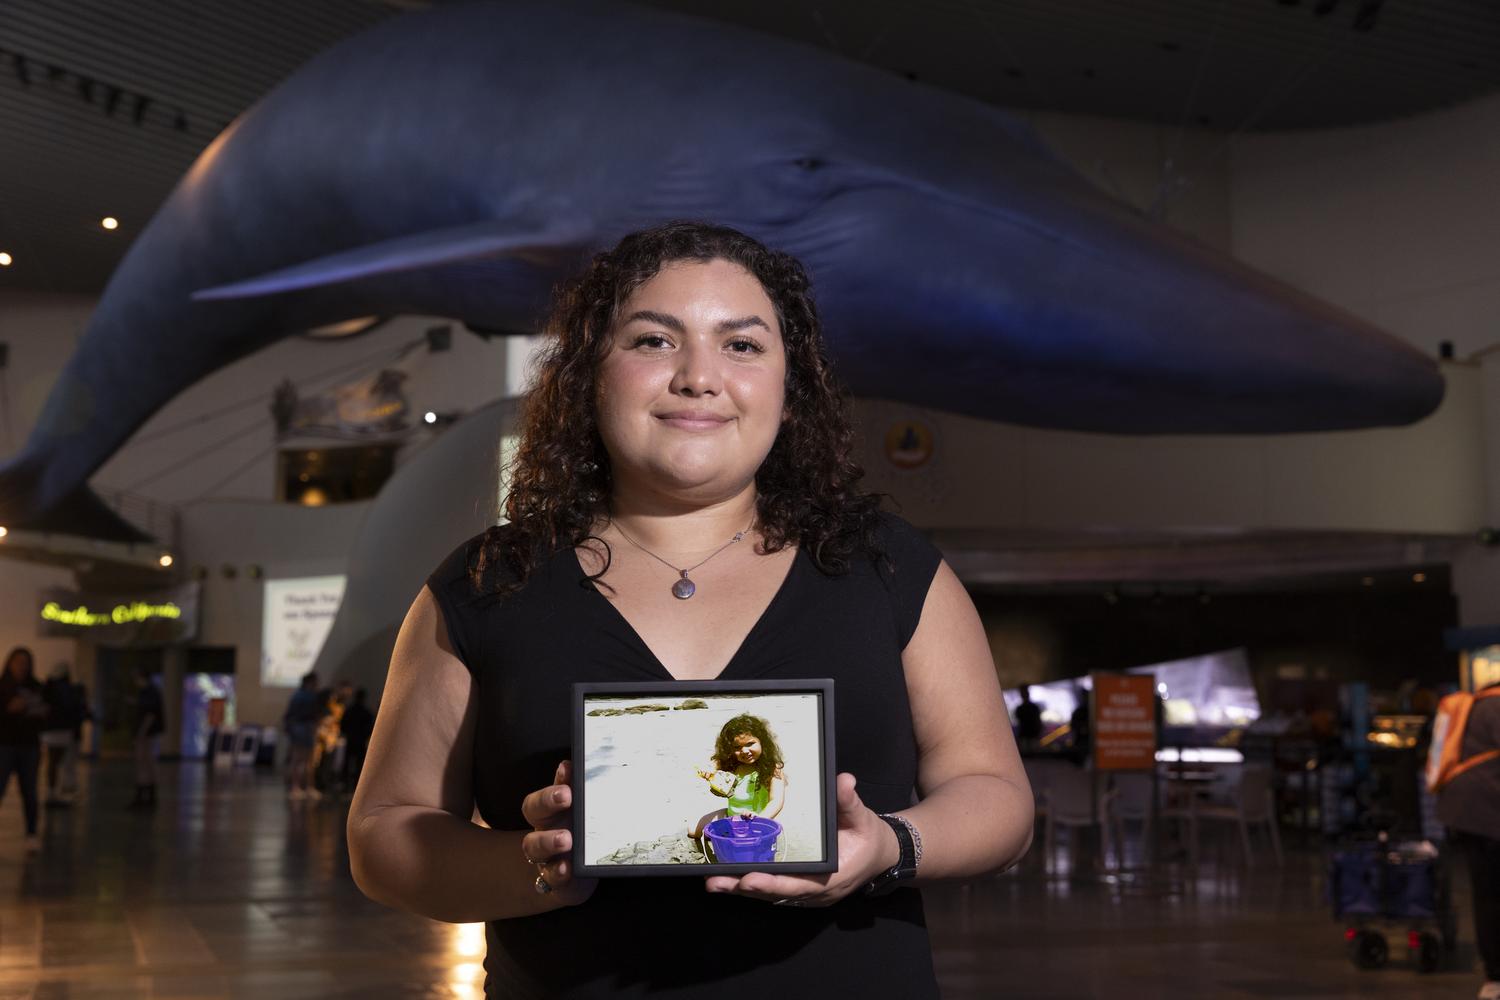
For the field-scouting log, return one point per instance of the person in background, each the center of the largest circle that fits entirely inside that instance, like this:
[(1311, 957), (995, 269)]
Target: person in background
[(23, 712), (60, 735), (1028, 721), (85, 714), (1469, 805), (150, 723), (357, 725), (332, 704), (1082, 727), (300, 722)]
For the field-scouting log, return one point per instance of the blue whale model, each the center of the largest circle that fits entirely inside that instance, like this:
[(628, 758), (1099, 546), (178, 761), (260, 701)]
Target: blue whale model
[(458, 161)]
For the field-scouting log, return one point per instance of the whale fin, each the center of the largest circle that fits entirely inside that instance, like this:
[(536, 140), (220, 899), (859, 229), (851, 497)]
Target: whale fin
[(432, 248)]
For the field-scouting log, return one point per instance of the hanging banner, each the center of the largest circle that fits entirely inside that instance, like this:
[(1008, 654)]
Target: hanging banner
[(297, 617), (1124, 722), (145, 619)]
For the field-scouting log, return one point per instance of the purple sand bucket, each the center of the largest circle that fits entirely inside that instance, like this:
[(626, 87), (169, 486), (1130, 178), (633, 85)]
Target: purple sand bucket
[(741, 840)]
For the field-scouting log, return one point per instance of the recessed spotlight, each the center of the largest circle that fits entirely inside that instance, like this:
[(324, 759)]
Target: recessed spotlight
[(4, 531), (165, 560), (430, 417), (110, 222), (5, 259)]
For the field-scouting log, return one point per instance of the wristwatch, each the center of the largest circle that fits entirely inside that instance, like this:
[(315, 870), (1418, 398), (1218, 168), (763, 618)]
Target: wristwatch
[(905, 867)]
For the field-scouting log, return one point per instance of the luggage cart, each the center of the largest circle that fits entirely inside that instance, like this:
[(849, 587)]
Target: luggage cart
[(1374, 885)]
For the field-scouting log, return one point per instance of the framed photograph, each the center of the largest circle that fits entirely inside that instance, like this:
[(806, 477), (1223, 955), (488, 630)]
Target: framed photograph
[(703, 778)]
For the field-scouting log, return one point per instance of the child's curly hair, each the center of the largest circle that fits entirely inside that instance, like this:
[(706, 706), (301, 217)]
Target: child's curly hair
[(770, 751)]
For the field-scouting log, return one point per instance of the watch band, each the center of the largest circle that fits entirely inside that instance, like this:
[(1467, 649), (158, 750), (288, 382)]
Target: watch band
[(905, 868)]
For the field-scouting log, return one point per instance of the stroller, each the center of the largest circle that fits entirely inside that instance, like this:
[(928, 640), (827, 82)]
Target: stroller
[(1376, 884)]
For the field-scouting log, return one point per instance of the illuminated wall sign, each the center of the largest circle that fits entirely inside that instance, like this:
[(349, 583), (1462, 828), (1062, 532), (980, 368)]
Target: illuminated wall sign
[(141, 619), (909, 444), (296, 618)]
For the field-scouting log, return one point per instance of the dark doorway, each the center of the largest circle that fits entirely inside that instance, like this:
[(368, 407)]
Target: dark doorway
[(115, 696)]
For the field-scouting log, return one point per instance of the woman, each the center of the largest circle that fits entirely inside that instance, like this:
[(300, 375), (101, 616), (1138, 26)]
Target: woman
[(23, 713), (683, 505)]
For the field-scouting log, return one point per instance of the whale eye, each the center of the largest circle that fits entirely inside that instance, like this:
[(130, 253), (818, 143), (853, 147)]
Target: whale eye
[(808, 163)]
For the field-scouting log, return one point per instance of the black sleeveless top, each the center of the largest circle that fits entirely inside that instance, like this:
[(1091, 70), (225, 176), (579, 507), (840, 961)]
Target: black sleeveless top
[(668, 937)]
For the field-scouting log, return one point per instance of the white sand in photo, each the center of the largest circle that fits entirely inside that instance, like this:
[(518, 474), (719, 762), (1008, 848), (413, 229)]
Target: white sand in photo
[(640, 780)]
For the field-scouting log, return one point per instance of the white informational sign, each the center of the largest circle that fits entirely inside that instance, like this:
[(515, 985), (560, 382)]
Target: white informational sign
[(296, 619)]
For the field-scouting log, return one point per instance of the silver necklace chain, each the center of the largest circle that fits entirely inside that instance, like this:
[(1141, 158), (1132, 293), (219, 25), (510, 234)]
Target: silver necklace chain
[(682, 587)]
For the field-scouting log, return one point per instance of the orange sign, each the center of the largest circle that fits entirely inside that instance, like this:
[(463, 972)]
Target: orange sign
[(1124, 722), (908, 445)]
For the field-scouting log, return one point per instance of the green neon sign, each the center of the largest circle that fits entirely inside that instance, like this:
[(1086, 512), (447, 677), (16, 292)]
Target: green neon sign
[(120, 614)]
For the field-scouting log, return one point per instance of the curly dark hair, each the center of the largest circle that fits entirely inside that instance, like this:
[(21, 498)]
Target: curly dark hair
[(770, 752), (560, 475)]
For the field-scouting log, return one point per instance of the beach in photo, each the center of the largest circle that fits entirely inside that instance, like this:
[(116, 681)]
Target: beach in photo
[(641, 787)]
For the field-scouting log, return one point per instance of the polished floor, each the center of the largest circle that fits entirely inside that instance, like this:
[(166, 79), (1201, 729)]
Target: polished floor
[(229, 890)]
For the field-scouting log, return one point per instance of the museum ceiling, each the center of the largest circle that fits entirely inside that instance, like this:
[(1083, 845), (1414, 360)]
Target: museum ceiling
[(104, 106)]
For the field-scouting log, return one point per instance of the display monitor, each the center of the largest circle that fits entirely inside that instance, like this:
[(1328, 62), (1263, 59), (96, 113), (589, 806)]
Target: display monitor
[(1213, 691)]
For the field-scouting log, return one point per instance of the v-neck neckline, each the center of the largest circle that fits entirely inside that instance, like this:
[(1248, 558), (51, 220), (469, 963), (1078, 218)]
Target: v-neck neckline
[(649, 654)]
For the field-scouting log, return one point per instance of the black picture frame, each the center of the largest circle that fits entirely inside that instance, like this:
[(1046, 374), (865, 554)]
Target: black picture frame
[(782, 698)]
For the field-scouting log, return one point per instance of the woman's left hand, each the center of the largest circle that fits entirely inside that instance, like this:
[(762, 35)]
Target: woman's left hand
[(866, 847)]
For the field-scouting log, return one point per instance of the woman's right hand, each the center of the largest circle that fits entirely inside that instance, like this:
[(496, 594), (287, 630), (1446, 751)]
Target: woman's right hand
[(550, 812)]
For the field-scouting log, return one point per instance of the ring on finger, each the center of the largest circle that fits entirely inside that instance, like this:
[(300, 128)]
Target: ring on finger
[(789, 902)]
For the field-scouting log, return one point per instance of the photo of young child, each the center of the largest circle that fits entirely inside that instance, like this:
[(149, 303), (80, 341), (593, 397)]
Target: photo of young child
[(660, 773), (747, 769)]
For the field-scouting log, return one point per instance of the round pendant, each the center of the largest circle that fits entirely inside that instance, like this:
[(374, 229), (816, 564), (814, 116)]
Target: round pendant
[(683, 589)]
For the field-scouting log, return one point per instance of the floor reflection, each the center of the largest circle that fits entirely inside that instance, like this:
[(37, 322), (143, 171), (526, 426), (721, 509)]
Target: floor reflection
[(227, 889)]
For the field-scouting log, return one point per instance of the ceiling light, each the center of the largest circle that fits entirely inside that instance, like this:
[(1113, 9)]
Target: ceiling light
[(165, 560), (430, 417), (5, 259), (1418, 577), (4, 531), (110, 222)]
